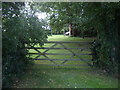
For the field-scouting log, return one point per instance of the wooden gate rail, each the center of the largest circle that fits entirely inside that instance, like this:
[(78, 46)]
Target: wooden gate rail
[(54, 48), (59, 54), (65, 59), (61, 42), (64, 47)]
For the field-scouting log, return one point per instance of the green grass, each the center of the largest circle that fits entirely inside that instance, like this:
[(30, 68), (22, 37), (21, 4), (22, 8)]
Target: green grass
[(67, 38), (42, 75)]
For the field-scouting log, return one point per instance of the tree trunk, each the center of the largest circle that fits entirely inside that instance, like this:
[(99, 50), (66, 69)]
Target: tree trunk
[(70, 29)]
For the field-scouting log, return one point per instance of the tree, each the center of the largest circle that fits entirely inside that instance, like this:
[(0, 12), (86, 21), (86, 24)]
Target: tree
[(19, 25), (104, 18), (101, 19), (64, 14)]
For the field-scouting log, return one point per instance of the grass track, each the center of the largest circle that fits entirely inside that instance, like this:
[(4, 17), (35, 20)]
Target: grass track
[(45, 76)]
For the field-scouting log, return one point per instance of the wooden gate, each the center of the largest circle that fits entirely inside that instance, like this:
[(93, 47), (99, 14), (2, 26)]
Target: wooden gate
[(61, 43)]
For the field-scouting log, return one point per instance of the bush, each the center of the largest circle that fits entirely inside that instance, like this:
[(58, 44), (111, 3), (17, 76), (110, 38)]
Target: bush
[(18, 26)]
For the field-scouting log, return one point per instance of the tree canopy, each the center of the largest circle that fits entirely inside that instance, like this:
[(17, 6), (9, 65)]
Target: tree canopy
[(101, 18)]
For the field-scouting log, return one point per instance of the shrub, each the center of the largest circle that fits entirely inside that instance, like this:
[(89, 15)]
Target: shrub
[(19, 25)]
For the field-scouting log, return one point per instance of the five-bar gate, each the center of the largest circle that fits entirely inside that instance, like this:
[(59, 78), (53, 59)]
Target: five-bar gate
[(61, 43)]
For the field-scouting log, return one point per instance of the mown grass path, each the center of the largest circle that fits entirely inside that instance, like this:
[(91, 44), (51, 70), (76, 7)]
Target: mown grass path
[(45, 76)]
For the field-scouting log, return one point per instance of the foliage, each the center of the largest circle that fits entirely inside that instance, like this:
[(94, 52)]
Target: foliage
[(63, 14), (100, 18), (19, 25), (106, 44)]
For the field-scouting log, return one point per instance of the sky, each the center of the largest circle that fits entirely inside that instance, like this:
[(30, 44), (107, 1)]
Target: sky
[(41, 15)]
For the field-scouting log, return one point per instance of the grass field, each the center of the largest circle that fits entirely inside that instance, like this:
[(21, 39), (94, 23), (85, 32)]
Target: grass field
[(42, 75)]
